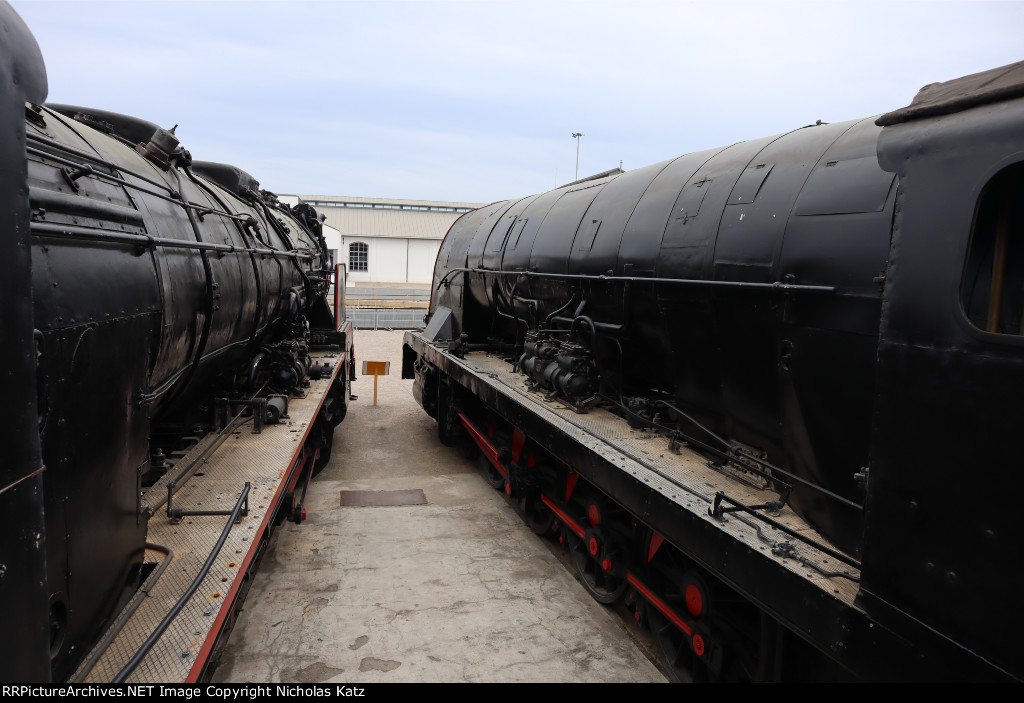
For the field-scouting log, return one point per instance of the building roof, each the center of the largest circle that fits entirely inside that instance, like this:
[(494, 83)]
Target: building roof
[(405, 224), (389, 201), (389, 217)]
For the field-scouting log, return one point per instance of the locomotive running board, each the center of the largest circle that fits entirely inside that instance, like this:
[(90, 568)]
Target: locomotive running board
[(672, 493), (268, 461)]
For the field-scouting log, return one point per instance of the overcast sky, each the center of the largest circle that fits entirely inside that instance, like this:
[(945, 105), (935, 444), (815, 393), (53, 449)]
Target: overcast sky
[(476, 101)]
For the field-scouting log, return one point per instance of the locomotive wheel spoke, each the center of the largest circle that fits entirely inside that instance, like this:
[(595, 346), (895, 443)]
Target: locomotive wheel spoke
[(602, 586), (674, 650), (732, 629), (537, 516), (682, 653)]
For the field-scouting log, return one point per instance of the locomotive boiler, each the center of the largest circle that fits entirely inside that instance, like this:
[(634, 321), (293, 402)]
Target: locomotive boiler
[(147, 296), (833, 314)]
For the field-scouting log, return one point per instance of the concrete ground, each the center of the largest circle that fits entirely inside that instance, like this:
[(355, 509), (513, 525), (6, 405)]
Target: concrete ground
[(455, 590)]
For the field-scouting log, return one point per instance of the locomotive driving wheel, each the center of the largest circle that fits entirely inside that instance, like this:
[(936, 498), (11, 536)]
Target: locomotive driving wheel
[(723, 637), (677, 654), (538, 517), (490, 471), (605, 586), (598, 555)]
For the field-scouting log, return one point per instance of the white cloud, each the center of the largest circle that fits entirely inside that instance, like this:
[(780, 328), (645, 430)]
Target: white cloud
[(476, 101)]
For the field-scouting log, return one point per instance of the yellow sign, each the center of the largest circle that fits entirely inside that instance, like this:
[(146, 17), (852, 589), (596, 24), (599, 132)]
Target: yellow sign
[(375, 369)]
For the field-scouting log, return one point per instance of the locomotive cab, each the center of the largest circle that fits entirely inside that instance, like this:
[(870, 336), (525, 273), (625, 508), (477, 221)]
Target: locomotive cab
[(950, 368)]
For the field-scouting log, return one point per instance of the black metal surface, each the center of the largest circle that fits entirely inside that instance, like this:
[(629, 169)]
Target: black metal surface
[(952, 565), (136, 292), (709, 314), (841, 301), (23, 547), (125, 615), (230, 177)]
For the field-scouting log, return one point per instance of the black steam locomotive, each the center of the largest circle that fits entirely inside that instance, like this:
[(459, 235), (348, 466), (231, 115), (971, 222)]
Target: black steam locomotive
[(145, 294), (834, 316)]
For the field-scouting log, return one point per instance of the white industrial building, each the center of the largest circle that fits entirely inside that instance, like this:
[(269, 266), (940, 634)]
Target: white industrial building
[(385, 240)]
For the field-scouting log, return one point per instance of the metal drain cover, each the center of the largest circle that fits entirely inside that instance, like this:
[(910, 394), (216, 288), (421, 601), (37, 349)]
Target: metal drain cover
[(383, 498)]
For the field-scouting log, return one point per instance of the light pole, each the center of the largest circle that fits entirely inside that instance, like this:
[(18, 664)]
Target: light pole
[(576, 136)]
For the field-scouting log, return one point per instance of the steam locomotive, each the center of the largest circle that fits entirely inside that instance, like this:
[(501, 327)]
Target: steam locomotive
[(828, 322), (146, 295)]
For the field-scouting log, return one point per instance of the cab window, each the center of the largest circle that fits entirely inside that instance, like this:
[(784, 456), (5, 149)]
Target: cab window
[(992, 292)]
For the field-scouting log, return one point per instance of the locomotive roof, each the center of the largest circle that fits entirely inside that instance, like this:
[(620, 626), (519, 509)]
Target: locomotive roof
[(990, 86)]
